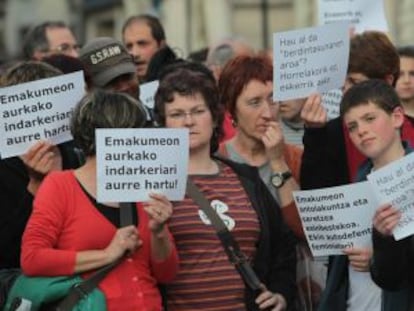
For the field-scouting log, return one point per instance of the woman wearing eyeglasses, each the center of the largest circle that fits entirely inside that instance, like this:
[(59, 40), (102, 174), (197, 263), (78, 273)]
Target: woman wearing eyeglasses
[(188, 98)]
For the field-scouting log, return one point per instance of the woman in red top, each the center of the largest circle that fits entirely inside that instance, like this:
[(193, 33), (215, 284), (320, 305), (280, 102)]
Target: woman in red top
[(69, 232)]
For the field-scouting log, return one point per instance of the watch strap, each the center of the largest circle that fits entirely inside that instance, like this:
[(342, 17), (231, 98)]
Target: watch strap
[(283, 176), (286, 175)]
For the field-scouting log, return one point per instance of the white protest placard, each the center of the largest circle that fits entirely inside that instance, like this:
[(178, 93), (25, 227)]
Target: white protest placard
[(361, 14), (131, 163), (336, 218), (147, 93), (331, 101), (38, 110), (310, 60), (394, 183)]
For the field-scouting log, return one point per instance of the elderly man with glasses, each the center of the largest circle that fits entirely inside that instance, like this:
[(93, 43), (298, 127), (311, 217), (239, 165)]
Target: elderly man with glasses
[(48, 38)]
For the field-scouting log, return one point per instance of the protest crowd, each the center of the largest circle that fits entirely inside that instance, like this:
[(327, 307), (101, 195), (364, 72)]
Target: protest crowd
[(132, 178)]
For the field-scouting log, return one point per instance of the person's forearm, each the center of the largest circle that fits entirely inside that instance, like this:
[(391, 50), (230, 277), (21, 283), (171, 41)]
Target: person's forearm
[(33, 185), (290, 185), (313, 168), (286, 192), (292, 219), (45, 261), (90, 260), (160, 245), (52, 262)]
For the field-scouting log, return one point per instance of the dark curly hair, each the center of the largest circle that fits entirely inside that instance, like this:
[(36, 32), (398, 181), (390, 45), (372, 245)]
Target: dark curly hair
[(187, 79)]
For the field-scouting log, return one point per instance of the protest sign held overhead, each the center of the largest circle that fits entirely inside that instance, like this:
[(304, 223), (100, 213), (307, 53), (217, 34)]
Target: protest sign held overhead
[(361, 14), (336, 218), (38, 110), (131, 163), (310, 60)]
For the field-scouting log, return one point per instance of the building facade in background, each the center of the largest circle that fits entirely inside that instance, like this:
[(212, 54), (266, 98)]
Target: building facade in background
[(190, 24)]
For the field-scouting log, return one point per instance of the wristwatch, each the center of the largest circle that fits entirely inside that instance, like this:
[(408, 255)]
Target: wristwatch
[(278, 179)]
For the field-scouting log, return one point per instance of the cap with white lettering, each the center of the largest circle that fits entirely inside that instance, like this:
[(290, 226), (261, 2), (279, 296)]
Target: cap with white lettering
[(105, 59)]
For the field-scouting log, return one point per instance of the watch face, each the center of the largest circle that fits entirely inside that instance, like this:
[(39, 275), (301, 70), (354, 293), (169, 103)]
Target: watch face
[(277, 180)]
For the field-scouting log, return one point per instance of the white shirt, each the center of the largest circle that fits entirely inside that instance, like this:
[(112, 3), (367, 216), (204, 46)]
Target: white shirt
[(363, 294)]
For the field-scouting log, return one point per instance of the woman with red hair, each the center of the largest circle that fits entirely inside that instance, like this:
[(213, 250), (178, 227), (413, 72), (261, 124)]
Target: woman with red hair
[(246, 90)]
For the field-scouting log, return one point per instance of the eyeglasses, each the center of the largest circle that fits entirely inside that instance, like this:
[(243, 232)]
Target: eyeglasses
[(65, 48), (180, 115)]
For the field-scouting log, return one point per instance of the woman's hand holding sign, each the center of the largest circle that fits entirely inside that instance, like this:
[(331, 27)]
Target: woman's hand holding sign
[(42, 158), (159, 210)]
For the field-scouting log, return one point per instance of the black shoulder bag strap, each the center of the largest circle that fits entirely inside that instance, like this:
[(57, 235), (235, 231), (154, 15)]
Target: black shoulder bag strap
[(82, 289), (233, 251)]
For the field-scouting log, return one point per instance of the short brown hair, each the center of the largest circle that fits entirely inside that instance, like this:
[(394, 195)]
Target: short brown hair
[(188, 79), (374, 55), (237, 73), (157, 30), (375, 91)]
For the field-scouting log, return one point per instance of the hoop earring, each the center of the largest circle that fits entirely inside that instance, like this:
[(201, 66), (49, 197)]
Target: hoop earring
[(233, 122)]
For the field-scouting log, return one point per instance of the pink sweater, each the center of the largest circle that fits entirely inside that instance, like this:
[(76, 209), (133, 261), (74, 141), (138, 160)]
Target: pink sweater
[(64, 221)]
